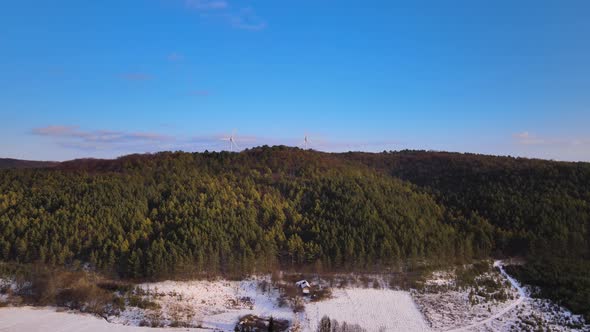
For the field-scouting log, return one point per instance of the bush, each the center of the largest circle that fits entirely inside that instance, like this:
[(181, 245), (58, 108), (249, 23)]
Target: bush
[(42, 285), (327, 325), (252, 323), (140, 302), (115, 286), (564, 281), (298, 305), (321, 294)]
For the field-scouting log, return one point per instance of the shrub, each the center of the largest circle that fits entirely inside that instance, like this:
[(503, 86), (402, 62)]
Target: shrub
[(140, 302), (321, 294), (252, 323), (327, 325)]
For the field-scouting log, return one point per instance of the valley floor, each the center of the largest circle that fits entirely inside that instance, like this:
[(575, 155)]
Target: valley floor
[(441, 305)]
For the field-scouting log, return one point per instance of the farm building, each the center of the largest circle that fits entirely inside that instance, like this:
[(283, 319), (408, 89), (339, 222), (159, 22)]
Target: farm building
[(304, 286)]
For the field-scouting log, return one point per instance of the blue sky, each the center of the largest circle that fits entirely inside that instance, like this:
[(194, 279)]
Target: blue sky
[(107, 78)]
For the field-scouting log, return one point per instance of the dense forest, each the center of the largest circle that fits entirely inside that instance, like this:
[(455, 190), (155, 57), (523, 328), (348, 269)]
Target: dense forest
[(17, 163), (538, 209), (157, 215)]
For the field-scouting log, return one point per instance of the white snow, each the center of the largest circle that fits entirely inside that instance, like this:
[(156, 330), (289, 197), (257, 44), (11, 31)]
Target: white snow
[(20, 319), (216, 305), (512, 281), (219, 304), (210, 304), (449, 309), (6, 286), (503, 311), (372, 309)]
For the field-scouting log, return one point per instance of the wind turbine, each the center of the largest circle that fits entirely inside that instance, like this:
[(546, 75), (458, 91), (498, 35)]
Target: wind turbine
[(232, 141), (306, 141)]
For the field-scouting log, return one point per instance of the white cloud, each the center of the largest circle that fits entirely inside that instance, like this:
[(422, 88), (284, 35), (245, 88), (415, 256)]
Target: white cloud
[(73, 136), (93, 141), (527, 138)]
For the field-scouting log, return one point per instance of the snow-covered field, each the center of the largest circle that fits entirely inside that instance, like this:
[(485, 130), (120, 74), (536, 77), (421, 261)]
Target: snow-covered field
[(219, 305), (216, 305), (209, 304), (372, 309), (27, 319), (450, 309)]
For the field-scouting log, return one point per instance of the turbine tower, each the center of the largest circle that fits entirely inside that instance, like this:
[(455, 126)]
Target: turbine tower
[(306, 141), (232, 141)]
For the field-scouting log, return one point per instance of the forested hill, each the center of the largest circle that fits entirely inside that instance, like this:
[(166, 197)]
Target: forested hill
[(538, 209), (536, 206), (170, 213), (17, 163)]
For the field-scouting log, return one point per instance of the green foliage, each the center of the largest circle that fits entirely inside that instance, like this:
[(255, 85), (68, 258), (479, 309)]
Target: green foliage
[(510, 206), (42, 285), (566, 281), (171, 214), (514, 206)]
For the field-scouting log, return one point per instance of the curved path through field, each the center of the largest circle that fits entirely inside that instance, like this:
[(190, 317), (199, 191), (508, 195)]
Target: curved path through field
[(521, 297)]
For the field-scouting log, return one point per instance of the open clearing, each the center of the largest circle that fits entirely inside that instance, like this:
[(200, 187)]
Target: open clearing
[(216, 305), (209, 304), (450, 308), (20, 319), (373, 309)]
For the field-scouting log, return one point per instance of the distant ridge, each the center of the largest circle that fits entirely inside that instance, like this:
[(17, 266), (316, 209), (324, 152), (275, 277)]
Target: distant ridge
[(17, 163)]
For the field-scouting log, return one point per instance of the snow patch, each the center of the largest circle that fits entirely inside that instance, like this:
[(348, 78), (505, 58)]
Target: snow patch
[(18, 319), (209, 304), (372, 309)]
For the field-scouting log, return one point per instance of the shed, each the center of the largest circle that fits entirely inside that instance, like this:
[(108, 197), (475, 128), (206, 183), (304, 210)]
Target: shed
[(304, 286)]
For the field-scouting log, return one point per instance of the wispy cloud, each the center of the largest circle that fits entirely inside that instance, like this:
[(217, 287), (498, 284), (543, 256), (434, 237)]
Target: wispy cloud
[(97, 135), (334, 145), (135, 77), (244, 18), (570, 148), (527, 138), (119, 142), (55, 130), (73, 136), (218, 142)]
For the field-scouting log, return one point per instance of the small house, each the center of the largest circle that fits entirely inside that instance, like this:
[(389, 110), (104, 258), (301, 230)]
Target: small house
[(304, 286)]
